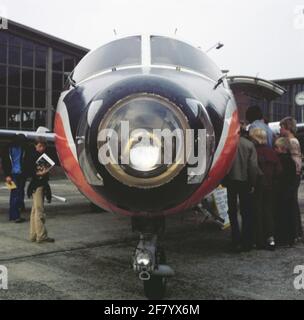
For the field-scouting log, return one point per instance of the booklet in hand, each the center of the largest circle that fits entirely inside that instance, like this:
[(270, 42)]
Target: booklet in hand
[(45, 163), (11, 186)]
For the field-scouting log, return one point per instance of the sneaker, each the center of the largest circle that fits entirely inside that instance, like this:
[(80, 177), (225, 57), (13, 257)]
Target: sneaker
[(20, 220), (51, 240)]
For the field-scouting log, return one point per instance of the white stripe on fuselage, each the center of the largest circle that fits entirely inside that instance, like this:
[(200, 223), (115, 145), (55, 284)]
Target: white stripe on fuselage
[(227, 121), (62, 110)]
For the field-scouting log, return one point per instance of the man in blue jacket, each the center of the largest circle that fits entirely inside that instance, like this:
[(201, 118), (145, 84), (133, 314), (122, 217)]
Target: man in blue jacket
[(14, 163)]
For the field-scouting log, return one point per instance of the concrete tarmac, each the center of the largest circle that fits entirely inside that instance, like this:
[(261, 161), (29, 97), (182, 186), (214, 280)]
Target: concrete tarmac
[(92, 253)]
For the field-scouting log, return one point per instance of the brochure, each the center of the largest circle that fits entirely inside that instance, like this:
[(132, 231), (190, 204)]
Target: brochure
[(45, 162)]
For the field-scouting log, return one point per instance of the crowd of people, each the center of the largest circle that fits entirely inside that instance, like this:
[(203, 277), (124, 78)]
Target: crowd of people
[(19, 164), (265, 177)]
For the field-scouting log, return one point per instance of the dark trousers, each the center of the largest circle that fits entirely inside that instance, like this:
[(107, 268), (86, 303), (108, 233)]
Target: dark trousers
[(285, 218), (241, 190), (264, 214), (17, 197), (299, 229)]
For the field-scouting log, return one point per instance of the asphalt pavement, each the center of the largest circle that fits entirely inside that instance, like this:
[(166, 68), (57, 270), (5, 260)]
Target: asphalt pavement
[(91, 257)]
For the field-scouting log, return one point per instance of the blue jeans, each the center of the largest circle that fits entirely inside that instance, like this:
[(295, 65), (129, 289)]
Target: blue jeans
[(17, 197)]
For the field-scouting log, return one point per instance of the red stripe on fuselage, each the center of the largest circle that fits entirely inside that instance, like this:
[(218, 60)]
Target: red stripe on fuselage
[(218, 171), (74, 172)]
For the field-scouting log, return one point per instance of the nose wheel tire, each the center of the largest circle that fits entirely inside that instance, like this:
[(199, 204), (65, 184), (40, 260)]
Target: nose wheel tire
[(155, 288)]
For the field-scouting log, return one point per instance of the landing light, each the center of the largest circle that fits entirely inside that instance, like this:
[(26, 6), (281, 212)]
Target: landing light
[(144, 158), (143, 259)]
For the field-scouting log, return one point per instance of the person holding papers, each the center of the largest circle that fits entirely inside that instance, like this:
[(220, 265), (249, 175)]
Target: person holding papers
[(40, 165)]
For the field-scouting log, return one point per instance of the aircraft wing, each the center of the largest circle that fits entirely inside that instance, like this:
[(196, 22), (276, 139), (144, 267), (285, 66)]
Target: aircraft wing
[(300, 129), (7, 135)]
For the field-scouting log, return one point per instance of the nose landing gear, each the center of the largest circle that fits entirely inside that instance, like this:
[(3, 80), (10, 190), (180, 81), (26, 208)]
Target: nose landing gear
[(149, 260)]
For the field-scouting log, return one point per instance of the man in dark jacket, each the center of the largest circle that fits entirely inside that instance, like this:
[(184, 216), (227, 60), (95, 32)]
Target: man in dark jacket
[(14, 164), (239, 183)]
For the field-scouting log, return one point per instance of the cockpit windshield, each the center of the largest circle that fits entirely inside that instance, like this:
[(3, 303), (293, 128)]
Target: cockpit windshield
[(167, 51), (118, 53), (127, 52)]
